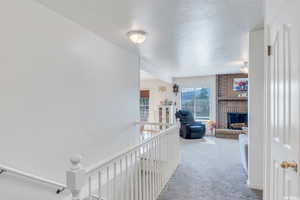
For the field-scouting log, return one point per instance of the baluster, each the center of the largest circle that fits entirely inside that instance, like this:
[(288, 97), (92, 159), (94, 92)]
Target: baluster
[(135, 177), (169, 157), (146, 172), (131, 177), (114, 181), (143, 173), (140, 174), (107, 184), (171, 153), (126, 179), (99, 185), (121, 181), (173, 146), (176, 144), (156, 167), (166, 158), (151, 169), (177, 148), (158, 164), (163, 152), (90, 187), (162, 161), (172, 150), (75, 177)]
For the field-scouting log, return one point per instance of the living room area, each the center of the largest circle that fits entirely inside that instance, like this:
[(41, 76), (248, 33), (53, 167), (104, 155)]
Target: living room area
[(220, 104)]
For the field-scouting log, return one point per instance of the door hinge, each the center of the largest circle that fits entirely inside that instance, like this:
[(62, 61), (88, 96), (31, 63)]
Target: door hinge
[(269, 50)]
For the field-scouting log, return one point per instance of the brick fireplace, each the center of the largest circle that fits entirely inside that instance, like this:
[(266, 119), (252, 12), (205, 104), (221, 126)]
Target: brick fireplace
[(229, 100)]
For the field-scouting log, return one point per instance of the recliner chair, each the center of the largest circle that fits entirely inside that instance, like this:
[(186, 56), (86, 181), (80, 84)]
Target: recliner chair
[(189, 129)]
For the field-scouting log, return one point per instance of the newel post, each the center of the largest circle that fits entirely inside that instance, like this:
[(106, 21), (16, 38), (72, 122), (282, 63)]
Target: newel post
[(75, 177)]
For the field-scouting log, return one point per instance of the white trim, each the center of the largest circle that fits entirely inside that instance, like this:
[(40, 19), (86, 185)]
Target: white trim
[(267, 138), (255, 108), (255, 187), (291, 198)]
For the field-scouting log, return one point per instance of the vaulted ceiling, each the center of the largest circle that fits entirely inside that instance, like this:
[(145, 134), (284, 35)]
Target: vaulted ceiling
[(185, 37)]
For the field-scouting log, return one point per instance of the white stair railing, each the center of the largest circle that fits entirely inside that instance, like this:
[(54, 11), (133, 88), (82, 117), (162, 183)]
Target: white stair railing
[(139, 173)]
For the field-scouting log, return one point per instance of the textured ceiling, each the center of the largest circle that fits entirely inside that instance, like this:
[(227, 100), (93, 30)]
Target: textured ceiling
[(185, 37)]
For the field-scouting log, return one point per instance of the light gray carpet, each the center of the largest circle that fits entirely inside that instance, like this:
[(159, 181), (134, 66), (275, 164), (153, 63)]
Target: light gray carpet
[(210, 170)]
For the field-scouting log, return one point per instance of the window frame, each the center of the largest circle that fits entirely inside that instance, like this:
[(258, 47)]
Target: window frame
[(194, 89)]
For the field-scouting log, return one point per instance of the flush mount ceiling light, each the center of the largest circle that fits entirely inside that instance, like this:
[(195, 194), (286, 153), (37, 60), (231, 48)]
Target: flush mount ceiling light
[(245, 69), (137, 37)]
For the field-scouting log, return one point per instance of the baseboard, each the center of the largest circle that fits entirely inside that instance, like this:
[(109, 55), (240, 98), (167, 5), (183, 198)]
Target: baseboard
[(255, 186)]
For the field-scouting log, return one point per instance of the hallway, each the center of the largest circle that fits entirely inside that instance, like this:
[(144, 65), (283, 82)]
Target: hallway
[(210, 169)]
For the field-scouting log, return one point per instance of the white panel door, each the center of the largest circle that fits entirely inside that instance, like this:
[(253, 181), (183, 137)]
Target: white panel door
[(283, 82)]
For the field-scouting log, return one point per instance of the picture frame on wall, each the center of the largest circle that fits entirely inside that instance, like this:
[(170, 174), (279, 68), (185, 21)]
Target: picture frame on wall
[(240, 84)]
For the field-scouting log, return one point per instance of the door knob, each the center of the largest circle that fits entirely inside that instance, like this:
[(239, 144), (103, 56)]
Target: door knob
[(287, 164)]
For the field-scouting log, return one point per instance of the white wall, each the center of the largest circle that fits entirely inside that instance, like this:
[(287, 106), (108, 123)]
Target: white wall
[(201, 82), (157, 96), (256, 108), (63, 91)]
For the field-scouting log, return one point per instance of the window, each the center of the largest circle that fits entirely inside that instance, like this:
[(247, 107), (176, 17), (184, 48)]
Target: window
[(196, 100)]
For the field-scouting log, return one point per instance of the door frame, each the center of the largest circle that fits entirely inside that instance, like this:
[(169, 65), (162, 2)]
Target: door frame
[(267, 137)]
